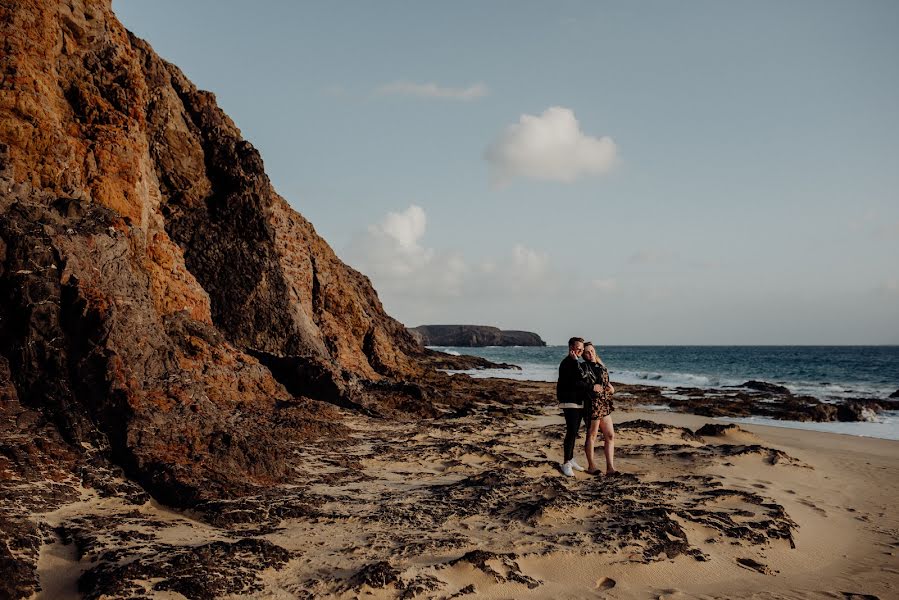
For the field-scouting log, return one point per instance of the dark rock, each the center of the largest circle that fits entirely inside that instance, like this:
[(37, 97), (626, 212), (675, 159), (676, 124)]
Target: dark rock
[(856, 411), (764, 386), (895, 394), (158, 300), (712, 403), (37, 467), (479, 560), (653, 428), (202, 572), (717, 429), (473, 336), (807, 408), (513, 337), (442, 360), (755, 565), (376, 575)]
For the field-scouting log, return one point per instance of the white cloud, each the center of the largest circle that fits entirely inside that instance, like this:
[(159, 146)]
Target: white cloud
[(405, 228), (413, 279), (522, 272), (528, 263), (432, 90), (391, 254), (548, 147)]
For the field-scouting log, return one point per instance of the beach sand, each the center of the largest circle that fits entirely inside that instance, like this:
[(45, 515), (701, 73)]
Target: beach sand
[(475, 506)]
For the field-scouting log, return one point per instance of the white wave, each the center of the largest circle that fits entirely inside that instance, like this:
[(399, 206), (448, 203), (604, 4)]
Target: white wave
[(665, 379), (884, 426), (655, 407), (528, 372), (831, 391)]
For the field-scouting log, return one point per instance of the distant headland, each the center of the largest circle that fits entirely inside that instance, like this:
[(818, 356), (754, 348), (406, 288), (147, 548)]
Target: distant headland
[(473, 336)]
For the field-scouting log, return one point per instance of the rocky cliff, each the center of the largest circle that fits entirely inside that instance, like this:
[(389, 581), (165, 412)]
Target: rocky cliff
[(473, 336), (162, 310)]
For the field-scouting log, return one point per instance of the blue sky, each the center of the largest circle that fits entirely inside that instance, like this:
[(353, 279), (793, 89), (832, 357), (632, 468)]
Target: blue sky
[(641, 172)]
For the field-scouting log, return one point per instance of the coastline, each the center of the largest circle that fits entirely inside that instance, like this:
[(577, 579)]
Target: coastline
[(472, 505), (802, 392)]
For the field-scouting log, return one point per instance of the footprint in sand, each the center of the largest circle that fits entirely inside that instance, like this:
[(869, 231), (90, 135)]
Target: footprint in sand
[(605, 583), (812, 505), (671, 594)]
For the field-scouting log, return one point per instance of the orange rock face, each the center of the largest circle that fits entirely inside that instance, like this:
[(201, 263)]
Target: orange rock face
[(150, 277)]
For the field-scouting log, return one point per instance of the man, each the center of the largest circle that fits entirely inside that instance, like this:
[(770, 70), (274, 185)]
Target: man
[(571, 388)]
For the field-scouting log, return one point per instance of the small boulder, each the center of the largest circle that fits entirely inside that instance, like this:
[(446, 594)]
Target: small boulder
[(375, 575), (764, 386), (852, 411), (717, 429)]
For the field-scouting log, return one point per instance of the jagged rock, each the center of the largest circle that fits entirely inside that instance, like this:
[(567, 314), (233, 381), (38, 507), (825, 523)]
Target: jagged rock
[(152, 281), (853, 410), (203, 572), (717, 429), (653, 428), (473, 336), (764, 386), (163, 311), (895, 394), (712, 403), (755, 565), (375, 575)]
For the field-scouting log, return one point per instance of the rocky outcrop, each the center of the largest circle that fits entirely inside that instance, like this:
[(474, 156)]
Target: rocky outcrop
[(712, 402), (164, 314), (158, 300), (764, 386), (473, 336)]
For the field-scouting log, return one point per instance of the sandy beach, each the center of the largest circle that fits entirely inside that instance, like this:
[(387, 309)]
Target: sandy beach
[(219, 376), (473, 505)]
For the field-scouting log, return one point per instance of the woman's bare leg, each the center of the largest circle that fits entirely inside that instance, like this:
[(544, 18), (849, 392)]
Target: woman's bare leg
[(608, 436), (589, 444)]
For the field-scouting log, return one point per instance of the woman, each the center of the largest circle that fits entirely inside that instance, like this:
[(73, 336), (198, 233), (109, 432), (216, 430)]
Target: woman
[(598, 408)]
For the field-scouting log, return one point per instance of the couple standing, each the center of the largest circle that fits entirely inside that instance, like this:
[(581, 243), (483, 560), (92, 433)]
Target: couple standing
[(584, 393)]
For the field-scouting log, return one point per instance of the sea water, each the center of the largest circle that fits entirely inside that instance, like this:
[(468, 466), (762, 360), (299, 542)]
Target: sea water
[(829, 373)]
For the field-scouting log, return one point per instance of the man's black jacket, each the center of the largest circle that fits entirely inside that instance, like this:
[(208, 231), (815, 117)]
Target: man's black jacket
[(573, 384)]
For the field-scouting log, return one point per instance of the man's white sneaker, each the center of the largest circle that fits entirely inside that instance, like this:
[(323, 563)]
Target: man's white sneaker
[(566, 468), (576, 466)]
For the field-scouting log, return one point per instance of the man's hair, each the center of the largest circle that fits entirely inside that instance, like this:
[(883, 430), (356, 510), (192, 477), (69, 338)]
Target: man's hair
[(575, 340)]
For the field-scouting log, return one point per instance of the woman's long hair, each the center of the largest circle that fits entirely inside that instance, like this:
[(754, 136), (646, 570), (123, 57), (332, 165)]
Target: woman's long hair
[(598, 359)]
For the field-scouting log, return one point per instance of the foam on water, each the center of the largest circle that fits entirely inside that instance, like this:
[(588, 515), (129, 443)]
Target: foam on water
[(528, 372), (884, 426), (666, 379)]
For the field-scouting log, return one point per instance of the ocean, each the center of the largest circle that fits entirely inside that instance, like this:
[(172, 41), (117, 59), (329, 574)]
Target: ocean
[(829, 373)]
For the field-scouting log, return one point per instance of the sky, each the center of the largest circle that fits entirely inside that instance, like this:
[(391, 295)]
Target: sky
[(697, 172)]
